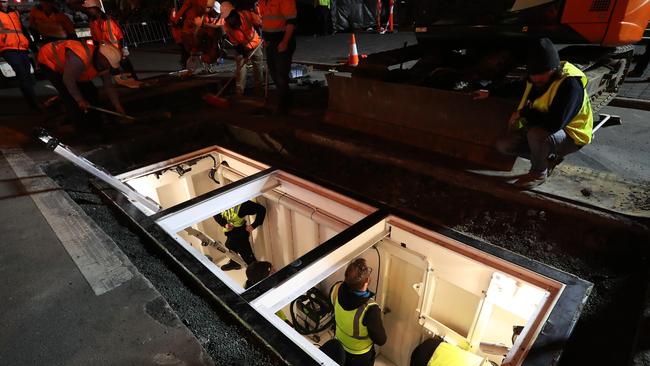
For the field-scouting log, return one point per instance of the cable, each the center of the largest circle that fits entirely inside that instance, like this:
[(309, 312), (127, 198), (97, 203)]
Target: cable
[(378, 269)]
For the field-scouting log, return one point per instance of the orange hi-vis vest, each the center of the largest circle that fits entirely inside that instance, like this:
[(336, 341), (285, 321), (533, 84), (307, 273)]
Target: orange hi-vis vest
[(11, 34), (52, 55), (106, 31), (246, 35), (275, 14)]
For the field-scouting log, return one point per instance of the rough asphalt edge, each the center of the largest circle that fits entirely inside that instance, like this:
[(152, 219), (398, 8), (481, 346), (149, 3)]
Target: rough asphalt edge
[(227, 342)]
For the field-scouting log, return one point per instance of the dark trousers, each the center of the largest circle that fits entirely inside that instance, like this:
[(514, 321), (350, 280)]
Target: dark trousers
[(279, 64), (85, 121), (184, 55), (366, 359), (19, 61), (238, 241), (323, 13), (127, 67)]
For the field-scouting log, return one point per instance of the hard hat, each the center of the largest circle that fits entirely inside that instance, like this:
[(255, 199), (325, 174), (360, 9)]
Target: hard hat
[(112, 54), (92, 4), (216, 7)]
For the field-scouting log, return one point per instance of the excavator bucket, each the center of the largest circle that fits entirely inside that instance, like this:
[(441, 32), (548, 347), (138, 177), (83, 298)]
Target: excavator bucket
[(445, 122)]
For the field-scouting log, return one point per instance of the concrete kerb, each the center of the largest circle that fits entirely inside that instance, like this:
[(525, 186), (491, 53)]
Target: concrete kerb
[(634, 103), (465, 179)]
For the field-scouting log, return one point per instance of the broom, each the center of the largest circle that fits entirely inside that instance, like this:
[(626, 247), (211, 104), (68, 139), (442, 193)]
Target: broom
[(215, 100)]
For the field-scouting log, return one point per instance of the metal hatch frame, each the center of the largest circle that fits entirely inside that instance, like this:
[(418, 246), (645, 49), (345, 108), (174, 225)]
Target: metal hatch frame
[(254, 306)]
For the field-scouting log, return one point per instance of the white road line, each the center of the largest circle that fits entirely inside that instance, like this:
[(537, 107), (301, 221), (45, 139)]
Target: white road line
[(101, 262)]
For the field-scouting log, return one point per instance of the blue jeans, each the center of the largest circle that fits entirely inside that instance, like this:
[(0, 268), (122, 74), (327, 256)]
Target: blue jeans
[(537, 144), (19, 61)]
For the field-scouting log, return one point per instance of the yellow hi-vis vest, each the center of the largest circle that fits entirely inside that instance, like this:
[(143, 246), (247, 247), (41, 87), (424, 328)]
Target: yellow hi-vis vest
[(232, 216), (580, 127), (349, 325)]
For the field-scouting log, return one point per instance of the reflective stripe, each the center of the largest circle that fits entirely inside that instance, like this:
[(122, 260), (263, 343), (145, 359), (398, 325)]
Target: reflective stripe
[(111, 36), (350, 330), (10, 26), (58, 61), (52, 55), (232, 217), (357, 321)]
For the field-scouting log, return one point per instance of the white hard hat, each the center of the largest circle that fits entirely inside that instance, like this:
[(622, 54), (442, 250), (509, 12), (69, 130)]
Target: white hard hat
[(92, 4), (216, 7), (112, 54)]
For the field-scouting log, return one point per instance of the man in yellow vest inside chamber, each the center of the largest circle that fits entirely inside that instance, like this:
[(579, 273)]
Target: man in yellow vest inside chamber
[(554, 117), (358, 318), (237, 230)]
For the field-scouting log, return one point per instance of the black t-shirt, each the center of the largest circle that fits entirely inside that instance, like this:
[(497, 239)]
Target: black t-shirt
[(565, 106)]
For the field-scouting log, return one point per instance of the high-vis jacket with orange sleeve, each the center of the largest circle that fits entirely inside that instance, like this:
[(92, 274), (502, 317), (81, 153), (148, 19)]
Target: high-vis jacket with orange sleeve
[(245, 36), (106, 31), (276, 14), (52, 55), (11, 34), (54, 25)]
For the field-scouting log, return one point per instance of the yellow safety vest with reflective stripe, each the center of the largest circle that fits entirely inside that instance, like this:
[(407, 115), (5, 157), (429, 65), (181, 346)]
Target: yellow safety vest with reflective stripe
[(580, 127), (349, 325), (232, 216), (280, 314)]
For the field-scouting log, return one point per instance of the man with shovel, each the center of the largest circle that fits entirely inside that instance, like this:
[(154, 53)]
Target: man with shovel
[(71, 66), (241, 29)]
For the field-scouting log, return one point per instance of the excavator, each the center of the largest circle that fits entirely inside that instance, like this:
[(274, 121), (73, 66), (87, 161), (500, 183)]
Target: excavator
[(421, 94)]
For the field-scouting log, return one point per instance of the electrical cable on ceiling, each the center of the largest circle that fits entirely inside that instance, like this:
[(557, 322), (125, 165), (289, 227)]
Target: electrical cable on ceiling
[(178, 167), (378, 268)]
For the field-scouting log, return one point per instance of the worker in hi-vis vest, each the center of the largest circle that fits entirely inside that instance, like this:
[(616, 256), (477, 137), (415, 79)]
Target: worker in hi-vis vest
[(323, 15), (71, 67), (279, 19), (240, 27), (358, 318), (14, 48), (554, 117), (48, 23), (438, 352), (237, 230), (106, 30)]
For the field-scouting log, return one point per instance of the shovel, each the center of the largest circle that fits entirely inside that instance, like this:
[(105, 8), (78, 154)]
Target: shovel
[(153, 117), (113, 113), (215, 99)]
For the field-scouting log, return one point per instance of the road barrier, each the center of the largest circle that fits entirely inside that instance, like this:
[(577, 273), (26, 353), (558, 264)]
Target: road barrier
[(140, 33)]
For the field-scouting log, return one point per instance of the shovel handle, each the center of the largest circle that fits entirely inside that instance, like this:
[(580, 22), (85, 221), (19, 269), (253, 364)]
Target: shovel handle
[(112, 112)]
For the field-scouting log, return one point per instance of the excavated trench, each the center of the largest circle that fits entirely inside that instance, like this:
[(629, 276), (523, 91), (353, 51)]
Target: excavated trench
[(613, 258)]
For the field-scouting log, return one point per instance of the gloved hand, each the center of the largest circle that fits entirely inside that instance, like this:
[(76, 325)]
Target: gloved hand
[(83, 105)]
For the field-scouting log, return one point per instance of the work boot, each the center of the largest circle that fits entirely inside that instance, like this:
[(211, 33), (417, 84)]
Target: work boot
[(531, 180), (232, 265)]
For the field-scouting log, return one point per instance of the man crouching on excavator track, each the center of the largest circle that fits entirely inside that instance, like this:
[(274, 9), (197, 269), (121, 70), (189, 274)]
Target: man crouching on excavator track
[(554, 117)]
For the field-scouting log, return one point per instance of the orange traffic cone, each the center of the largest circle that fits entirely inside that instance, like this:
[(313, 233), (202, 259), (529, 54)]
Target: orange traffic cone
[(353, 56)]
